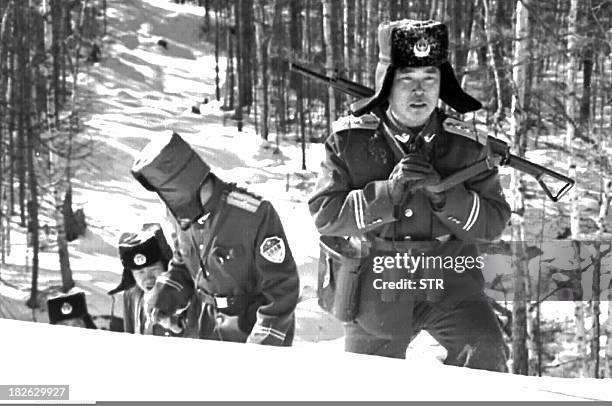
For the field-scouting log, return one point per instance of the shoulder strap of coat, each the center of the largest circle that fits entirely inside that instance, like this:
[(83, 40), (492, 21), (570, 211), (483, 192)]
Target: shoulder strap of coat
[(469, 131), (350, 122)]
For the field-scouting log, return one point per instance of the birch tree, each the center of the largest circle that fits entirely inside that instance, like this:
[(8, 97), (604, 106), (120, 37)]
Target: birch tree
[(262, 44), (329, 58), (519, 310)]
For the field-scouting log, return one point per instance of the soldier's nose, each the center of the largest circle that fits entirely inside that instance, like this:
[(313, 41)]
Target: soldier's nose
[(418, 89)]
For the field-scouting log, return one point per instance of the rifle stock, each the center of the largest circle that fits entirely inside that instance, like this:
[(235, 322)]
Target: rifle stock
[(499, 151)]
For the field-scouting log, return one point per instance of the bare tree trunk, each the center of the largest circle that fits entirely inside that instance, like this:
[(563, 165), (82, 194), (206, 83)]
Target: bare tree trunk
[(67, 281), (570, 102), (57, 56), (588, 55), (206, 15), (580, 339), (20, 82), (4, 85), (33, 228), (296, 46), (217, 49), (358, 40), (595, 302), (32, 204), (573, 193), (262, 44), (279, 70), (329, 58), (308, 38), (433, 11), (370, 38), (247, 53), (11, 148), (580, 330), (609, 333), (346, 46), (472, 52), (519, 327), (347, 43), (239, 63), (229, 72), (492, 60)]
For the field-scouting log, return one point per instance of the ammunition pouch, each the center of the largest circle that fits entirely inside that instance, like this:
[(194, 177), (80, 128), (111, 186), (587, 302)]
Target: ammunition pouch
[(338, 277)]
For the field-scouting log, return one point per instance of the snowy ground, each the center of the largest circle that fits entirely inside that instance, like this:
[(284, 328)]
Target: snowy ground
[(214, 371), (137, 91)]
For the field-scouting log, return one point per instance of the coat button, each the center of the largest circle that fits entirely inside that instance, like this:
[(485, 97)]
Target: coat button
[(408, 212)]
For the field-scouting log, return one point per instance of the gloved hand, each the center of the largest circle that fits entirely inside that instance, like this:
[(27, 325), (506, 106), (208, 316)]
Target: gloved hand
[(419, 174), (169, 298), (412, 173)]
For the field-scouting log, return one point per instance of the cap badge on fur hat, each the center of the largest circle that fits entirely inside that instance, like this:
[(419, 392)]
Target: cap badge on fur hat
[(140, 259), (421, 48), (66, 308)]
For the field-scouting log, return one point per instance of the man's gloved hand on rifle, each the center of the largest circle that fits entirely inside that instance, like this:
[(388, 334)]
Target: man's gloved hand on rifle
[(169, 298), (413, 173)]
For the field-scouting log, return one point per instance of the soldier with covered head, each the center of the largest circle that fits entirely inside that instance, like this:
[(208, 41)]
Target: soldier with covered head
[(376, 185), (230, 250)]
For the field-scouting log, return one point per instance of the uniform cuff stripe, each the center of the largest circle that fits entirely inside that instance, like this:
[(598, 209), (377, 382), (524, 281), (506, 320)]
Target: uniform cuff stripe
[(474, 213), (167, 281), (270, 331), (469, 219), (358, 203)]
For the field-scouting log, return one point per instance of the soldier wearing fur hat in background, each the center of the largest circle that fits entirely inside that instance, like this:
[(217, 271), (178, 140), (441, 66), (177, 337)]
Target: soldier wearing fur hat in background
[(70, 310), (230, 251), (144, 255), (374, 186)]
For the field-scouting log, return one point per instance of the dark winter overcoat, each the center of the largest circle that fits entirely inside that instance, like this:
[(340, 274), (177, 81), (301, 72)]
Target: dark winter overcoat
[(352, 199)]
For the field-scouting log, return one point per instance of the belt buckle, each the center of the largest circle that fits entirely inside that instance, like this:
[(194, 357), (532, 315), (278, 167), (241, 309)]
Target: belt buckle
[(221, 302)]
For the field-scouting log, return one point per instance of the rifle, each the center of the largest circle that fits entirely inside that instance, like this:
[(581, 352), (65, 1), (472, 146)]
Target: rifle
[(498, 151)]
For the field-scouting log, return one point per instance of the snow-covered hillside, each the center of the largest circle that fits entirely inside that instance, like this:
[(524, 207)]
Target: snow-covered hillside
[(202, 370)]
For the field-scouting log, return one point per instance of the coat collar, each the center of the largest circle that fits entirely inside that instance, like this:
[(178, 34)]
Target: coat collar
[(399, 137)]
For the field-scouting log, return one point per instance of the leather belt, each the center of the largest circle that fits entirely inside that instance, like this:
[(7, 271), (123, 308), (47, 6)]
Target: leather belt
[(390, 245)]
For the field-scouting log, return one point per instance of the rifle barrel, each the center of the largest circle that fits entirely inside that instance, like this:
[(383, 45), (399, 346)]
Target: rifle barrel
[(344, 85)]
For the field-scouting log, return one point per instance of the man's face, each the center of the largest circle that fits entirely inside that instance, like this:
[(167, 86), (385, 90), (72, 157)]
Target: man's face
[(414, 94), (145, 277)]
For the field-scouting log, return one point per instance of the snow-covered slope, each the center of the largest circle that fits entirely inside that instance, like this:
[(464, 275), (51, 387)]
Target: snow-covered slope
[(106, 366)]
